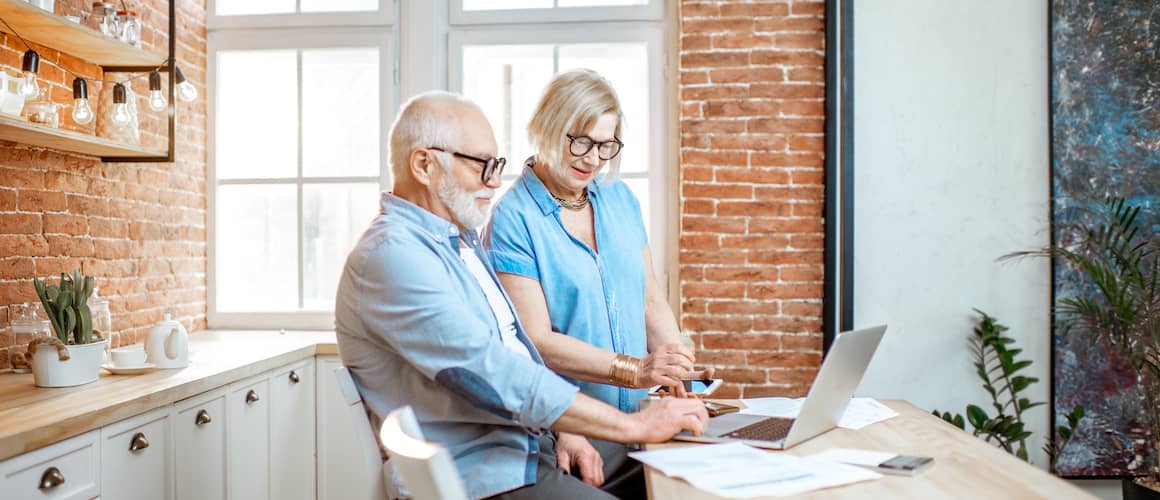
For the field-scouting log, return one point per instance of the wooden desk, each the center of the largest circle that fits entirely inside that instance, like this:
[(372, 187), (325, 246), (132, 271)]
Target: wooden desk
[(964, 466)]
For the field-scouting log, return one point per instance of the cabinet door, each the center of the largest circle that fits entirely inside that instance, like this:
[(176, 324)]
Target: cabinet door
[(65, 470), (343, 470), (199, 427), (248, 444), (137, 458), (292, 432)]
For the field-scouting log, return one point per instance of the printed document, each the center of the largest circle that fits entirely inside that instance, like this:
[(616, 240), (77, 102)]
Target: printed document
[(734, 470), (860, 413)]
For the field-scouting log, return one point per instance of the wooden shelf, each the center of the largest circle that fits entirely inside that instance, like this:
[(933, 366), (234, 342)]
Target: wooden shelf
[(34, 134), (41, 27)]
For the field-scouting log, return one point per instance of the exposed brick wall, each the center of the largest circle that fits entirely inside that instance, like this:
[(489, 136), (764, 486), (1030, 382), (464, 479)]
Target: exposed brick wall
[(139, 228), (752, 96)]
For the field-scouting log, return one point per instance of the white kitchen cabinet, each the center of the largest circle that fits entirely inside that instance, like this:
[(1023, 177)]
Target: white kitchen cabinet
[(292, 456), (137, 458), (200, 446), (69, 470), (248, 442), (342, 469)]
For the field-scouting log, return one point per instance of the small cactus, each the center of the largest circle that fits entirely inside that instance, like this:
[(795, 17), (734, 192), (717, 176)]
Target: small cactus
[(67, 306)]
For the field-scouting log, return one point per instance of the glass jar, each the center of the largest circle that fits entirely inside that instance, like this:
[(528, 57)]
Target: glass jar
[(129, 27), (104, 18), (28, 323), (42, 110), (102, 318)]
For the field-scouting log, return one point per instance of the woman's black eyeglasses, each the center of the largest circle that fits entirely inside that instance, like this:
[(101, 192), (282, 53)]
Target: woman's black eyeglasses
[(580, 145), (491, 166)]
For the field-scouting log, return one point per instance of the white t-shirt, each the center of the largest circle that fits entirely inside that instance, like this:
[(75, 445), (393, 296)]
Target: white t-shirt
[(503, 313)]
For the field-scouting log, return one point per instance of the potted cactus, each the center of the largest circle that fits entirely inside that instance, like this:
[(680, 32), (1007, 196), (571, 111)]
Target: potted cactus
[(73, 356)]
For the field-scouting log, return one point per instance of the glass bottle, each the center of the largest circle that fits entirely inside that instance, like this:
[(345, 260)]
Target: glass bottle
[(129, 26), (102, 318), (104, 18)]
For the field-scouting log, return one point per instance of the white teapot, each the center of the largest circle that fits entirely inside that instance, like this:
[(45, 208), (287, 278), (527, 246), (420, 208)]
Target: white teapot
[(167, 345)]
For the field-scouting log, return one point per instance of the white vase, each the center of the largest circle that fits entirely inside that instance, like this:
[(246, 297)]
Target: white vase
[(82, 367)]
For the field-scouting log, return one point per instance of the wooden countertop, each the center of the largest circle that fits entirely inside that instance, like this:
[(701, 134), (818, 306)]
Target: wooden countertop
[(33, 417)]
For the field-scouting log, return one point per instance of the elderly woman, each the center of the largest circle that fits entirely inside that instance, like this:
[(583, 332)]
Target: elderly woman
[(569, 246)]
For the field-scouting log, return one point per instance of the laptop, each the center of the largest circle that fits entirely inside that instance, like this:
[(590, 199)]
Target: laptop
[(841, 372)]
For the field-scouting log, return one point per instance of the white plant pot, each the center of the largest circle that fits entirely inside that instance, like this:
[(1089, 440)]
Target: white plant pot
[(82, 367)]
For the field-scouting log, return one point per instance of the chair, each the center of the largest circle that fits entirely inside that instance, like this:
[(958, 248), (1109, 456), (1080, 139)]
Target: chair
[(377, 472), (426, 470)]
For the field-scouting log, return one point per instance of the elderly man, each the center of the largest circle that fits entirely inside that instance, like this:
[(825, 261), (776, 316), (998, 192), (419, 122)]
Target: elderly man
[(422, 321)]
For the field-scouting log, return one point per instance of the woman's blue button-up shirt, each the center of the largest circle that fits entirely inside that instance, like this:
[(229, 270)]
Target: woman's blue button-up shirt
[(594, 296)]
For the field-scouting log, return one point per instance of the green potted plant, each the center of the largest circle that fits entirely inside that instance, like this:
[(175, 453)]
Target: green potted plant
[(74, 355), (1118, 258)]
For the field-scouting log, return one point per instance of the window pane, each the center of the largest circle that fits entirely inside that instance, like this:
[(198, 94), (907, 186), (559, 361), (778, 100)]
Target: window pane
[(598, 3), (340, 112), (334, 216), (339, 5), (626, 66), (256, 126), (639, 188), (244, 7), (506, 81), (506, 4), (257, 248)]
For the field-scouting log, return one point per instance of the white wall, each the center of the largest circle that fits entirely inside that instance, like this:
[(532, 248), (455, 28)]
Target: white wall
[(951, 171)]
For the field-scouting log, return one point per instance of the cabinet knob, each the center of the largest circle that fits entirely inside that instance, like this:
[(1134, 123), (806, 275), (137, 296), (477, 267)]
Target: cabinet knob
[(202, 418), (294, 376), (139, 442), (51, 479), (251, 397)]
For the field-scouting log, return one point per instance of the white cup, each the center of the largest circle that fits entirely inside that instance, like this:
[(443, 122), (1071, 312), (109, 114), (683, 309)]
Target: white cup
[(128, 357)]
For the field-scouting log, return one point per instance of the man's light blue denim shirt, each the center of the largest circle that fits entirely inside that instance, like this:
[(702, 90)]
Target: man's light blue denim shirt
[(594, 296), (415, 328)]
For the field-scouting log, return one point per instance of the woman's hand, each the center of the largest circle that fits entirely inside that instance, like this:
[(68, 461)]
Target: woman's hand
[(574, 450), (666, 367)]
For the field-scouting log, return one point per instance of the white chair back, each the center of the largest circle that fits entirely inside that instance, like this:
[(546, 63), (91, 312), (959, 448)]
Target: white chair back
[(426, 469), (380, 486)]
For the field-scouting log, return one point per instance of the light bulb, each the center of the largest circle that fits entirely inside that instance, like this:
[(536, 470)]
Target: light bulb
[(28, 69), (121, 116), (157, 100), (185, 90), (28, 87), (82, 113)]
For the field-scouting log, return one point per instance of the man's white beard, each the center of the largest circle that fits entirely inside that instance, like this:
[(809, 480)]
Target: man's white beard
[(461, 204)]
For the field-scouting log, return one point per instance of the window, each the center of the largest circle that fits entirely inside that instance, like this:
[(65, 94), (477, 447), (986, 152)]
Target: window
[(298, 160), (303, 94), (505, 69)]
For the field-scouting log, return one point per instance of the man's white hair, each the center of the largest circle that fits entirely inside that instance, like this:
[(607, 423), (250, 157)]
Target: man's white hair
[(426, 120)]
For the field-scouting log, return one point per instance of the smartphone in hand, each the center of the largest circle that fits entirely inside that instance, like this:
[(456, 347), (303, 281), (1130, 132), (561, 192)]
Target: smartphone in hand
[(696, 387)]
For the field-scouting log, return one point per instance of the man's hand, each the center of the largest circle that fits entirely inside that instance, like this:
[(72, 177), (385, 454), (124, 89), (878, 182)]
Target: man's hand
[(666, 366), (573, 450), (666, 417), (679, 389)]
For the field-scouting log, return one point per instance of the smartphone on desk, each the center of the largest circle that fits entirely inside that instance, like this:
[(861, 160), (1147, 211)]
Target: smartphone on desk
[(697, 387), (907, 465), (715, 409)]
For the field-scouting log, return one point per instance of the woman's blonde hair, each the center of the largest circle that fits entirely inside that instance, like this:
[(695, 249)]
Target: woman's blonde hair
[(572, 104)]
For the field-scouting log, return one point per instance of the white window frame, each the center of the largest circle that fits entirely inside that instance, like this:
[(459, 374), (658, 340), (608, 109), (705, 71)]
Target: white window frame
[(662, 201), (654, 10), (293, 39), (382, 16)]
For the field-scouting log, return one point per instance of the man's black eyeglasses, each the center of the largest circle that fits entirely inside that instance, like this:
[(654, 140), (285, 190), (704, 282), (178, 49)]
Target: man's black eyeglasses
[(580, 145), (491, 166)]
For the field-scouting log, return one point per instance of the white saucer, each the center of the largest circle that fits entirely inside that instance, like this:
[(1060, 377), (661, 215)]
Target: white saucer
[(136, 370)]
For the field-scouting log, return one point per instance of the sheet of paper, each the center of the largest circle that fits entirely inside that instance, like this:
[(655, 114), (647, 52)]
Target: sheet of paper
[(860, 413), (735, 470)]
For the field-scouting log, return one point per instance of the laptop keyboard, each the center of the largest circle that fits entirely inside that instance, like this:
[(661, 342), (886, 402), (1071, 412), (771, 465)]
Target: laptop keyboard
[(769, 429)]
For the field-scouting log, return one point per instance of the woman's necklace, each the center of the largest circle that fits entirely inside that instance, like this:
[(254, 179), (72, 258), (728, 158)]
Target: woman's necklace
[(578, 204)]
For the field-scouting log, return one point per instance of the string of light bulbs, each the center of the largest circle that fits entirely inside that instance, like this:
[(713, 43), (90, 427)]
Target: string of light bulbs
[(82, 112)]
